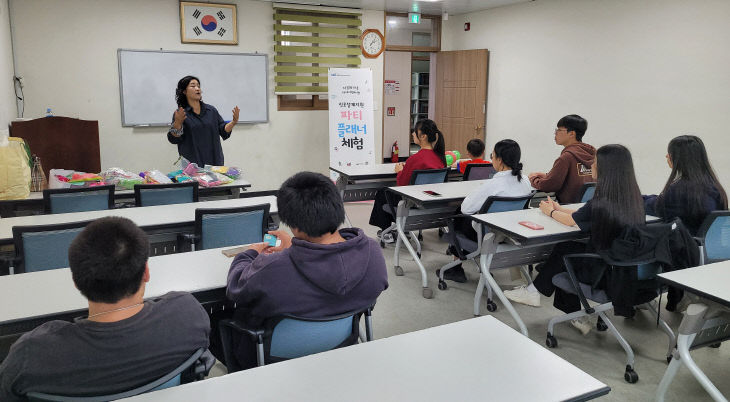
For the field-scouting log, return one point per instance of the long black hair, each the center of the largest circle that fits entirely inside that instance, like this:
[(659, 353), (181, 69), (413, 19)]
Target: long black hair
[(692, 176), (434, 136), (509, 152), (617, 202), (182, 85)]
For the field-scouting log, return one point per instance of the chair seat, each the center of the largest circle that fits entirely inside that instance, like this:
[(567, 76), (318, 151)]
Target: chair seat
[(466, 244), (562, 281)]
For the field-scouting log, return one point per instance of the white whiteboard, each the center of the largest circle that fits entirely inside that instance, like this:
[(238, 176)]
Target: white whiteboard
[(148, 78)]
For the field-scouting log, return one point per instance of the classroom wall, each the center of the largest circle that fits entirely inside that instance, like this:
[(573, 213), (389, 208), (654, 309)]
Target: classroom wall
[(397, 67), (8, 110), (67, 52), (641, 72)]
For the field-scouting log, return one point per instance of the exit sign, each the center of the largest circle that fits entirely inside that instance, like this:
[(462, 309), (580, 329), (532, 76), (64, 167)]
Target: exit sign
[(414, 18)]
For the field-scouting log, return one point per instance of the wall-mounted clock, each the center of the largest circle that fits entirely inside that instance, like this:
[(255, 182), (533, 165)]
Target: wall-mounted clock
[(372, 43)]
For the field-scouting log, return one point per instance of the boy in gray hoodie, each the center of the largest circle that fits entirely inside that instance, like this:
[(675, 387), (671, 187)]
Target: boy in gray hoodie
[(320, 272)]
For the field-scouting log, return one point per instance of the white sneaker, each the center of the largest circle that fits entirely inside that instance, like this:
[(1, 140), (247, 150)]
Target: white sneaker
[(520, 294), (583, 324)]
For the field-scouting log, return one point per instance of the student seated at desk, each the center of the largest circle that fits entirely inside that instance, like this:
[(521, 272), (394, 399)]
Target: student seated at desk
[(475, 152), (616, 204), (507, 182), (573, 168), (431, 156), (692, 190), (321, 272), (125, 342)]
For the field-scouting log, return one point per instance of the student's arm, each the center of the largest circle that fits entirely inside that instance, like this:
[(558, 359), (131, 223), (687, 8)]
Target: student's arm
[(239, 274), (554, 179), (474, 201), (10, 370), (557, 212), (650, 204), (403, 178)]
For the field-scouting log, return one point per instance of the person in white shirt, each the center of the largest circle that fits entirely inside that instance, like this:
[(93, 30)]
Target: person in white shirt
[(507, 182)]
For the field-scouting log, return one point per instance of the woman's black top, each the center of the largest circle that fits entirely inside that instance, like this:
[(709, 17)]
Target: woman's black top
[(201, 139)]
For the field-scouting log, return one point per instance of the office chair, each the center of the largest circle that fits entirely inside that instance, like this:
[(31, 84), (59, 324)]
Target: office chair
[(713, 239), (65, 200), (586, 192), (288, 337), (43, 247), (478, 171), (146, 195), (222, 227), (193, 363)]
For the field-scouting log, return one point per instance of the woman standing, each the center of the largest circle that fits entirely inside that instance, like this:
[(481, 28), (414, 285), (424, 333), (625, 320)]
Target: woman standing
[(198, 127)]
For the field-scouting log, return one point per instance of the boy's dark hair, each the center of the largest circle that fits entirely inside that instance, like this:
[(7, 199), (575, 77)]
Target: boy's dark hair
[(310, 202), (108, 259), (573, 122), (475, 147)]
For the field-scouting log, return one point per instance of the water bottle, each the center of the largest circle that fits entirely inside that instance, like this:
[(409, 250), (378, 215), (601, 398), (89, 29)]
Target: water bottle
[(49, 113)]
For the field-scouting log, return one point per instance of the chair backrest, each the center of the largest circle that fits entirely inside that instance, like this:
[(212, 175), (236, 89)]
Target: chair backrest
[(44, 247), (479, 171), (504, 204), (715, 235), (429, 176), (222, 227), (146, 195), (171, 379), (587, 191), (64, 200)]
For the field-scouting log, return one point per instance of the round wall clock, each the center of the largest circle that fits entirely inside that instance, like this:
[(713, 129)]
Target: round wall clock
[(372, 43)]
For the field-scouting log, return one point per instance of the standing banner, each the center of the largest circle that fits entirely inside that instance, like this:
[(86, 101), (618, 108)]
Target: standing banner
[(352, 131)]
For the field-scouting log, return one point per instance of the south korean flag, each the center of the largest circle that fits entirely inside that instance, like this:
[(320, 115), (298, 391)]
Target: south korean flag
[(209, 24)]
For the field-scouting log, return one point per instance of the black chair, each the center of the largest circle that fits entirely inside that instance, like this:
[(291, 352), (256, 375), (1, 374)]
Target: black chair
[(146, 195), (288, 337), (713, 238), (65, 200), (43, 247), (586, 192), (222, 227), (479, 171), (193, 368)]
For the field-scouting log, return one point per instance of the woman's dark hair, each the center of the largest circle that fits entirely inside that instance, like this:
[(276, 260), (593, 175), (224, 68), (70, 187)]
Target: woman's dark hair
[(475, 147), (108, 259), (310, 202), (692, 177), (509, 152), (182, 85), (573, 122), (617, 202), (434, 136)]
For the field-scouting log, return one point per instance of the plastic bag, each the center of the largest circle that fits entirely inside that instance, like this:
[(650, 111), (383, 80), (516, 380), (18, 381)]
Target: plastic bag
[(59, 178), (121, 178), (14, 169), (211, 179), (230, 171), (156, 177)]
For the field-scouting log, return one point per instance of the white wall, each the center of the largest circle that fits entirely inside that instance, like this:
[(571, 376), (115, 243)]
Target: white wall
[(8, 111), (395, 128), (67, 53), (640, 72)]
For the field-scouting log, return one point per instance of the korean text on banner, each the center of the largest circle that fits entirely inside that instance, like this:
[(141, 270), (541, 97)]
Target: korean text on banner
[(351, 121)]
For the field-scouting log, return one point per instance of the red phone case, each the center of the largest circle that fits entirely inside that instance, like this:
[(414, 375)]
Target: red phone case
[(531, 225)]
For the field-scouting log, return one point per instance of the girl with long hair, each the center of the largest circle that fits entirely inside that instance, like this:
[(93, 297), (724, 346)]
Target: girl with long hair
[(616, 204), (692, 190)]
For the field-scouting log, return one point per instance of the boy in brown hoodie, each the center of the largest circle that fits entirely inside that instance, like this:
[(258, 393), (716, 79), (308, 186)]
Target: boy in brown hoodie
[(573, 167)]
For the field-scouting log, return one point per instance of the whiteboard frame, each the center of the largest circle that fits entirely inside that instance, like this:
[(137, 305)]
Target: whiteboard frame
[(121, 85)]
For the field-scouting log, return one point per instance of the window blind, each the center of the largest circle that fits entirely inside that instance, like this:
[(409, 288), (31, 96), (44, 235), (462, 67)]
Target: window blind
[(307, 43)]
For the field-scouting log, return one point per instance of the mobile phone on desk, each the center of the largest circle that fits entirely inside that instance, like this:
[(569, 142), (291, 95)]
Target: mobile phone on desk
[(531, 225), (271, 240), (432, 193)]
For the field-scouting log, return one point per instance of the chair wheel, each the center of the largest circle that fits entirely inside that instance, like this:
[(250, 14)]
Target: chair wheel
[(669, 359), (442, 285), (551, 342), (398, 270), (420, 237), (601, 325), (428, 293), (441, 232), (491, 306), (419, 255), (382, 244), (630, 375), (716, 345)]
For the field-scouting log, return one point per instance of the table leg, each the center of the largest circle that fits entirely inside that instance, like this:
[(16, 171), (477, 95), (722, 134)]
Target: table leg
[(400, 222)]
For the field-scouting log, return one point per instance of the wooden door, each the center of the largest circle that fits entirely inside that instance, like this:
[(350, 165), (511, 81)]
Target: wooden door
[(461, 96)]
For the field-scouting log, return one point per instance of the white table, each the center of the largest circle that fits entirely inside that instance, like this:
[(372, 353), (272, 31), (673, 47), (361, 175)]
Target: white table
[(155, 216), (434, 210), (527, 246), (704, 323), (446, 363), (33, 298)]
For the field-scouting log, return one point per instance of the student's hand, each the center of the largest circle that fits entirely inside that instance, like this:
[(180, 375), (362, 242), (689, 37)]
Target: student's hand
[(399, 167), (535, 174), (554, 203), (285, 241), (179, 116), (235, 111), (546, 207), (259, 247)]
